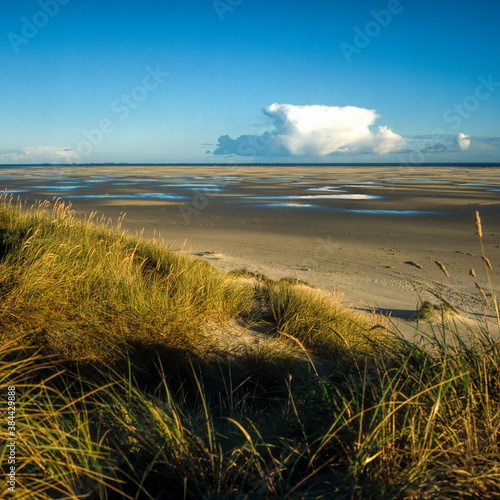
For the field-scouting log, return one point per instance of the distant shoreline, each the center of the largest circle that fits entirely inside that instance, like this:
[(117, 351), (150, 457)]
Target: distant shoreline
[(258, 164)]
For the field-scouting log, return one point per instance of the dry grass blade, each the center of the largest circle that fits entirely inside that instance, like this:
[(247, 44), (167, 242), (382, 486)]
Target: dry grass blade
[(487, 265), (413, 263), (444, 301), (478, 225), (483, 295), (291, 337), (242, 429), (441, 266), (487, 262), (472, 273), (348, 348), (378, 325)]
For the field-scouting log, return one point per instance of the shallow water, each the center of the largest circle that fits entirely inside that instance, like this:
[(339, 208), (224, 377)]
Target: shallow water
[(134, 196), (325, 190), (195, 186), (283, 205), (346, 196), (56, 188), (368, 211), (391, 212)]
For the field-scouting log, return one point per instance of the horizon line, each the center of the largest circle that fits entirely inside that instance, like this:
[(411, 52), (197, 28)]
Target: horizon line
[(201, 164)]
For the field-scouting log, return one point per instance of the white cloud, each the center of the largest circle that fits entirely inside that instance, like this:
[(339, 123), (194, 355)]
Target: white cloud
[(463, 141), (315, 130), (386, 141), (37, 154)]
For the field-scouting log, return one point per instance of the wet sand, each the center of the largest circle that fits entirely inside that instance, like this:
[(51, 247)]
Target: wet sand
[(351, 228)]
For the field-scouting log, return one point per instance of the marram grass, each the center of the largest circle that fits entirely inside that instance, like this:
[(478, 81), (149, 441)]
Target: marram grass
[(121, 393), (82, 290)]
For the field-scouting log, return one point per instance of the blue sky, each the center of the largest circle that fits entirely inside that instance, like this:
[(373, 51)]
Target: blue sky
[(258, 81)]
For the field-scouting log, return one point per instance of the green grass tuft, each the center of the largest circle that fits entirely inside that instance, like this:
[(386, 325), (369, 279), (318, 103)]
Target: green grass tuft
[(429, 311)]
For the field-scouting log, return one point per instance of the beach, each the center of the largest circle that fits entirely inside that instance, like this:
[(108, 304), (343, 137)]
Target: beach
[(374, 234)]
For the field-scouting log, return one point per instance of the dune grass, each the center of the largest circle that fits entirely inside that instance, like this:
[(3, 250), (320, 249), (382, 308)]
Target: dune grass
[(428, 311), (83, 290), (122, 393)]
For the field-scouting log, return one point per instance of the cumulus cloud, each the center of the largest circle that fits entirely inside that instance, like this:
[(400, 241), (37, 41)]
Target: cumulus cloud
[(316, 131), (37, 154), (463, 141)]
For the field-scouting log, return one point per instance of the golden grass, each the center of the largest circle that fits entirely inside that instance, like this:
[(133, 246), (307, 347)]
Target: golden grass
[(443, 268), (82, 290)]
